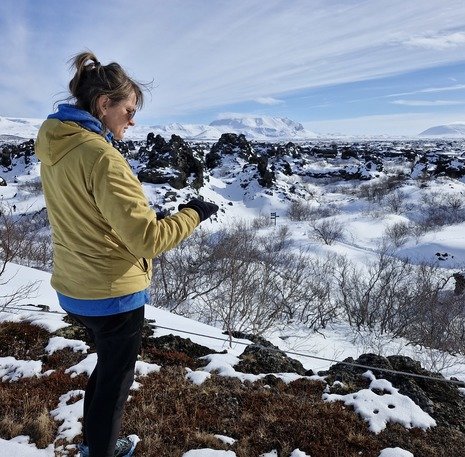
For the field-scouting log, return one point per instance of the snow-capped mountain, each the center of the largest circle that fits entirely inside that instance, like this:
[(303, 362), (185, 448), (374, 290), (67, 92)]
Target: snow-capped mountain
[(185, 131), (454, 130), (266, 127), (11, 128), (254, 128)]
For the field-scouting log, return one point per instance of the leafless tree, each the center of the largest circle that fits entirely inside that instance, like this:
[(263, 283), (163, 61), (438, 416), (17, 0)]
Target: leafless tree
[(242, 281), (15, 240), (327, 230)]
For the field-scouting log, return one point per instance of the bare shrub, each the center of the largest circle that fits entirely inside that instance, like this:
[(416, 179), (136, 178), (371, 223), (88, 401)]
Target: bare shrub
[(394, 297), (377, 190), (398, 233), (438, 320), (299, 211), (279, 241), (261, 221), (25, 239), (241, 281), (439, 210), (395, 201), (302, 290), (327, 230), (374, 298), (183, 274), (18, 243), (33, 187)]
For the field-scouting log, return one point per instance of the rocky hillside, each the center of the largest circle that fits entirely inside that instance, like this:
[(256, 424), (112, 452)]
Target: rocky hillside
[(279, 168), (284, 168)]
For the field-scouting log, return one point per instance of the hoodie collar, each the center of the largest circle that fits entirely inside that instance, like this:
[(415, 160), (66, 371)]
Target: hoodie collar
[(68, 112)]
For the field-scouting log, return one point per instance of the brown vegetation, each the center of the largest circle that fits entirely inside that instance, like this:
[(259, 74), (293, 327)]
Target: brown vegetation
[(172, 415)]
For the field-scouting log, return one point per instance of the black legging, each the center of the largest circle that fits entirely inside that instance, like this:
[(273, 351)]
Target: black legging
[(117, 339)]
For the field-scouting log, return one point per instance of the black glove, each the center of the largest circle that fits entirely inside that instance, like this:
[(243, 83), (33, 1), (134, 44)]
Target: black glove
[(205, 209), (162, 214)]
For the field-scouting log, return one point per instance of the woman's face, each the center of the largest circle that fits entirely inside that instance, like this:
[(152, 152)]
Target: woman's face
[(118, 116)]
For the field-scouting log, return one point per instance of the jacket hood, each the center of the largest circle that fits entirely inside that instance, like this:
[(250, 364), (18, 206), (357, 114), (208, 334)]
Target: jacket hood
[(66, 129), (56, 139)]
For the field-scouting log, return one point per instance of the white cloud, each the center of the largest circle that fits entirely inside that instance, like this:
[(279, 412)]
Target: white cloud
[(207, 55), (450, 40), (430, 90), (269, 101), (427, 102)]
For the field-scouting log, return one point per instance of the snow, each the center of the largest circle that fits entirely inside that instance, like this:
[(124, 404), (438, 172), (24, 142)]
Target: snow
[(390, 406), (85, 366), (449, 130), (12, 370), (58, 343), (395, 452), (225, 439), (208, 453), (69, 411), (20, 447), (298, 453)]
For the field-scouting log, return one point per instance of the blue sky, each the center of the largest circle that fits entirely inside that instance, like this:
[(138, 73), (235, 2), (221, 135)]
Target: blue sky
[(346, 66)]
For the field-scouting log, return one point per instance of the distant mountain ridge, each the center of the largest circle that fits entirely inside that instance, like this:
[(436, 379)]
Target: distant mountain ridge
[(21, 128), (447, 130), (254, 128)]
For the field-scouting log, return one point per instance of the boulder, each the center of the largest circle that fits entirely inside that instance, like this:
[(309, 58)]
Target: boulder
[(257, 359), (441, 400)]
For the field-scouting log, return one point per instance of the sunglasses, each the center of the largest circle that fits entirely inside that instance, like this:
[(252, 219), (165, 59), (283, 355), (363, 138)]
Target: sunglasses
[(131, 114)]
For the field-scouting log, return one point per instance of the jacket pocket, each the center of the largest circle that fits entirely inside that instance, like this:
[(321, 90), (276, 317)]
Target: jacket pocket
[(145, 264)]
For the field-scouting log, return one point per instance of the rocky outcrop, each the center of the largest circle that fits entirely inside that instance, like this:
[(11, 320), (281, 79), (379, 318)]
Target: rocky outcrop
[(258, 359), (257, 164), (11, 151), (172, 163), (441, 400), (264, 357), (180, 164), (228, 144)]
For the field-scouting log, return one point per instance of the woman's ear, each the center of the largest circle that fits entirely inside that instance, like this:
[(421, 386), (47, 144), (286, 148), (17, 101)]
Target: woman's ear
[(102, 104)]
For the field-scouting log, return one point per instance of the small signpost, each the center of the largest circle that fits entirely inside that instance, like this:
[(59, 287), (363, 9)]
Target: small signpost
[(273, 218)]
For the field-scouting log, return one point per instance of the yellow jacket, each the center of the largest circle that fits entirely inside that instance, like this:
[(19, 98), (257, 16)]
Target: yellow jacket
[(104, 232)]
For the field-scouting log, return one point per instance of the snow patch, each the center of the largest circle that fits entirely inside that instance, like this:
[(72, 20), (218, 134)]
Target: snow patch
[(378, 410)]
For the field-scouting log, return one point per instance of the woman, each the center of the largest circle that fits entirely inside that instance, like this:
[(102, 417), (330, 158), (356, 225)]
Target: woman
[(104, 236)]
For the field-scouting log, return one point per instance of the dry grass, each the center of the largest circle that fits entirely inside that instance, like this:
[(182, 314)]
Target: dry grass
[(22, 340), (26, 405), (171, 415)]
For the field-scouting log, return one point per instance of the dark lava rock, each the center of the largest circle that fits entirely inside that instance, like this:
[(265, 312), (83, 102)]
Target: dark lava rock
[(441, 400), (257, 359), (178, 344)]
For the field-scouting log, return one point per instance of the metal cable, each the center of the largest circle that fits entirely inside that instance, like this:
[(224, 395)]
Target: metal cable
[(300, 354)]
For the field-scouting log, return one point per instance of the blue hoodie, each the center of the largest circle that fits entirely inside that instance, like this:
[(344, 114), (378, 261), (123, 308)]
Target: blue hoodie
[(67, 112)]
